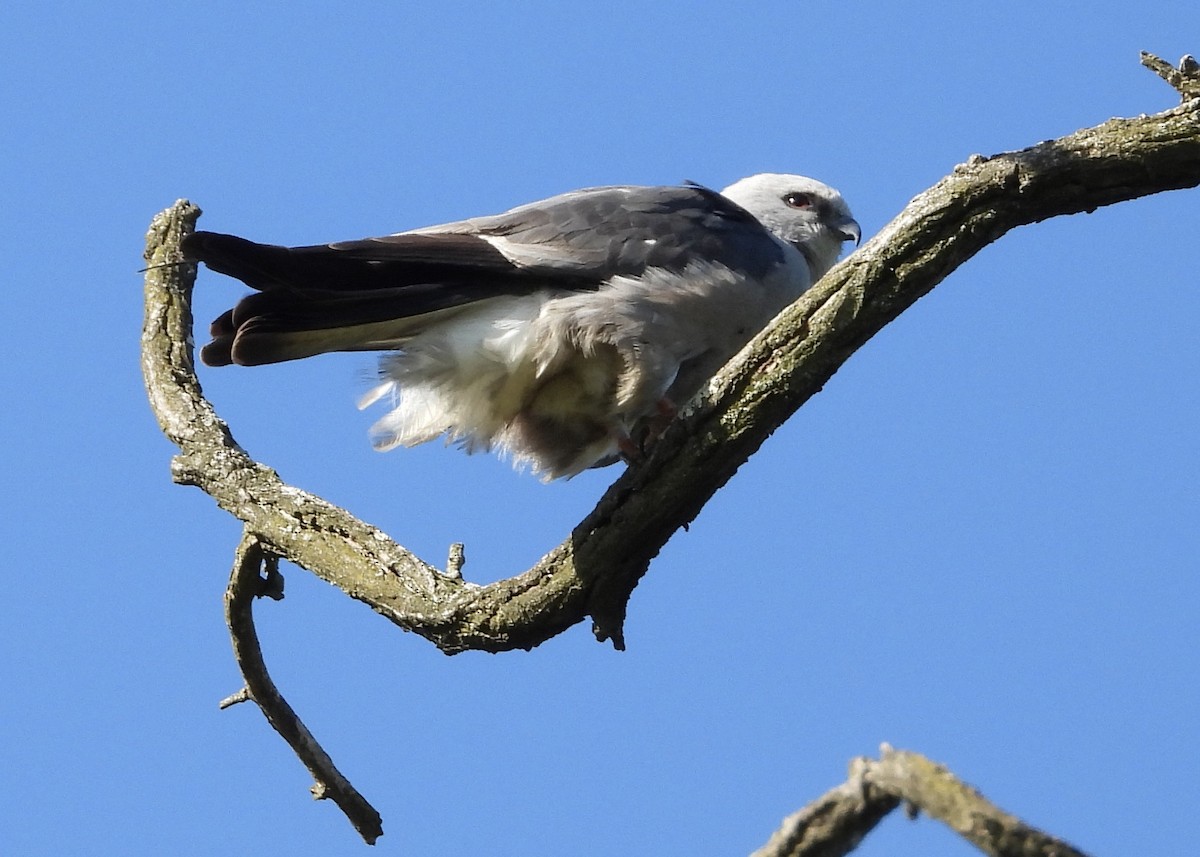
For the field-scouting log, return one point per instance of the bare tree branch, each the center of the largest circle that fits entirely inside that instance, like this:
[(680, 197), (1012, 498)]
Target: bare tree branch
[(836, 822), (246, 584), (935, 791)]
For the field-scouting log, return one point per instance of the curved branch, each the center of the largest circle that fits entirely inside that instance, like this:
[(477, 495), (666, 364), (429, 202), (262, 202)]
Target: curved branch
[(245, 584), (595, 570)]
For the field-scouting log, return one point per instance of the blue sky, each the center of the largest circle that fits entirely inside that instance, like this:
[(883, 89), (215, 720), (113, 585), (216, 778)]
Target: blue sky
[(979, 542)]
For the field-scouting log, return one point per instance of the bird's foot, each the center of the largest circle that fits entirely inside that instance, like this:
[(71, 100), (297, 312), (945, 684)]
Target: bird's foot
[(629, 449), (664, 412), (634, 452)]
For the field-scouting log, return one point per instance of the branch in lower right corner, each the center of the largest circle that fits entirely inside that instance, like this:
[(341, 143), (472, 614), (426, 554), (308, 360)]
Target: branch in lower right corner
[(835, 823), (932, 789)]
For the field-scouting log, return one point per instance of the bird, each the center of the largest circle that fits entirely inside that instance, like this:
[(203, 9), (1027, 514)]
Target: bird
[(564, 333)]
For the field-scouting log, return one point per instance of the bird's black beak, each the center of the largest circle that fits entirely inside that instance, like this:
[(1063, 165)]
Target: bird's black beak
[(849, 230)]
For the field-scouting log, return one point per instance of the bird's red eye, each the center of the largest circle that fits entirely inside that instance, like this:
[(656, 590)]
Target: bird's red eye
[(798, 200)]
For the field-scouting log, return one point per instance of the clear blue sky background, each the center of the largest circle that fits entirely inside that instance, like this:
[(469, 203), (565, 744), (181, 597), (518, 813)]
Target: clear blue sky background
[(979, 542)]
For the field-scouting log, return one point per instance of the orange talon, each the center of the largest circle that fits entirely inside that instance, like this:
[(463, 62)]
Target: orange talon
[(665, 411), (628, 447)]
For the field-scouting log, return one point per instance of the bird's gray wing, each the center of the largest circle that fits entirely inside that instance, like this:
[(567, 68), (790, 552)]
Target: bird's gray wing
[(621, 231), (370, 294)]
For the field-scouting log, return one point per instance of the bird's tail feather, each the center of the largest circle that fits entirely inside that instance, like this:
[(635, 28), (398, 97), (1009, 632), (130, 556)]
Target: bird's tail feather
[(271, 327), (356, 296)]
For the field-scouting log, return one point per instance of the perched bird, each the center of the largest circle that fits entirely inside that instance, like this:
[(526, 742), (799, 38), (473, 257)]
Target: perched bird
[(555, 332)]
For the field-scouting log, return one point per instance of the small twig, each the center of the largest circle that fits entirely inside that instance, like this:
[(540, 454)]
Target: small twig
[(233, 699), (245, 583), (456, 560), (1185, 78)]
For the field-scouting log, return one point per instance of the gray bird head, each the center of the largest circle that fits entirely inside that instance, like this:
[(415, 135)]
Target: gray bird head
[(807, 214)]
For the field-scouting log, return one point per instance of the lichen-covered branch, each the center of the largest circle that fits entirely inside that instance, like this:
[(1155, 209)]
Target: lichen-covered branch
[(245, 584), (594, 571), (836, 822), (935, 791)]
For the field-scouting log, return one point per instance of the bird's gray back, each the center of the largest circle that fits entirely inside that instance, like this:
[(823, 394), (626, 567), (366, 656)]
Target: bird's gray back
[(624, 230)]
